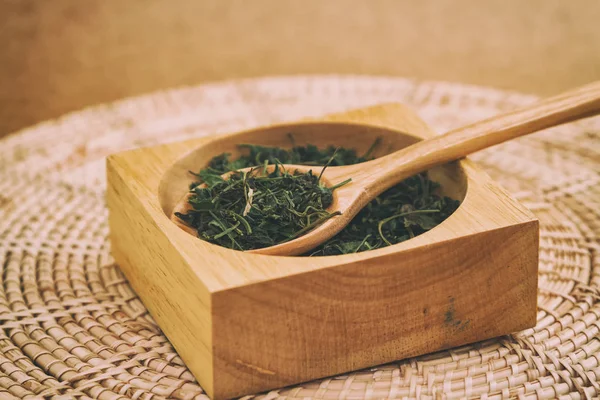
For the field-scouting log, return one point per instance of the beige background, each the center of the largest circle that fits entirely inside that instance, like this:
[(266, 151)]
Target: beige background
[(60, 55)]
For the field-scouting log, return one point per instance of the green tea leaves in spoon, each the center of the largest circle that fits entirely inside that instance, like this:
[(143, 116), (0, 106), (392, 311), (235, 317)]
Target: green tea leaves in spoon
[(256, 209)]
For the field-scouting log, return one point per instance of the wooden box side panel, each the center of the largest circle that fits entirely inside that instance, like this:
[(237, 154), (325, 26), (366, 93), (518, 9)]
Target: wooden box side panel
[(379, 310), (173, 294)]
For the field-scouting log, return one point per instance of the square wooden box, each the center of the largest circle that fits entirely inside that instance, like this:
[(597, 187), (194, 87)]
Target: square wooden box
[(245, 323)]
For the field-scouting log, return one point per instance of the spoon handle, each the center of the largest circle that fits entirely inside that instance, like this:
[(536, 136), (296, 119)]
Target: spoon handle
[(421, 156)]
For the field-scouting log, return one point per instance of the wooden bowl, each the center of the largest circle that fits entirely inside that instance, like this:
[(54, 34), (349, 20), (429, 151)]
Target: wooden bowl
[(245, 323)]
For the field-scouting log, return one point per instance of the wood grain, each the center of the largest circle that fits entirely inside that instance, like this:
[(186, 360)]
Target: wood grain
[(246, 323)]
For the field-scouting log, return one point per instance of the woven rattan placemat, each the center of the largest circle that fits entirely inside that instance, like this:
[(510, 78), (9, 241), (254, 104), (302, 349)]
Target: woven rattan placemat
[(73, 328)]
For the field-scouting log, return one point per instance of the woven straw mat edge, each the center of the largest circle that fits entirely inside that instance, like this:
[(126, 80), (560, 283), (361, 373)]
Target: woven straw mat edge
[(73, 328)]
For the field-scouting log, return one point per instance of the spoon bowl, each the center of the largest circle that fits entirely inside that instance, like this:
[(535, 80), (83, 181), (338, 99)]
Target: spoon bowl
[(345, 201)]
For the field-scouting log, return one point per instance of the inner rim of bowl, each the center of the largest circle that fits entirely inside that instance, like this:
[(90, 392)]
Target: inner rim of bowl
[(176, 180)]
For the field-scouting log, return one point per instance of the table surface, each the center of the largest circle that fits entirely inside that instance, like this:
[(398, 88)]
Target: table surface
[(72, 326)]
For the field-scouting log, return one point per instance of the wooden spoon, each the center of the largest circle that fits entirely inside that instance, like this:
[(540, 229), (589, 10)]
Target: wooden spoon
[(370, 179)]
